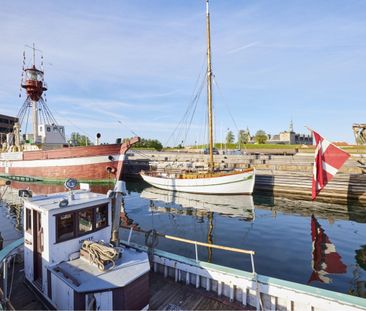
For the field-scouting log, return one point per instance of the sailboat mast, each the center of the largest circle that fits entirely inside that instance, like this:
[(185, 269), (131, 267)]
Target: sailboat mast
[(209, 89)]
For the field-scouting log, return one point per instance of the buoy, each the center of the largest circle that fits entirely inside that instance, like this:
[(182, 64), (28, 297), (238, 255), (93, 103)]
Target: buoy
[(111, 169)]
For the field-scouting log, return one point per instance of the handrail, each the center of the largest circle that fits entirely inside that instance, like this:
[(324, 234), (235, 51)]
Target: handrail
[(170, 237), (9, 248), (226, 248), (4, 254)]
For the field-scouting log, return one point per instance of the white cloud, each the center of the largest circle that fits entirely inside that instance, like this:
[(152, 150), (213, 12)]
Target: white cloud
[(137, 61)]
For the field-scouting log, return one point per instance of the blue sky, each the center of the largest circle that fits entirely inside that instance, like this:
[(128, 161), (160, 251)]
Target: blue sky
[(138, 61)]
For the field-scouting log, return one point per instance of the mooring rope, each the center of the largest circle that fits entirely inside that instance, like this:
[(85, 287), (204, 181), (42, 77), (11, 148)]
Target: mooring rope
[(100, 253)]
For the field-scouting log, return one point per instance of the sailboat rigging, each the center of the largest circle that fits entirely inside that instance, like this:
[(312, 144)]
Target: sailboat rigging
[(213, 181)]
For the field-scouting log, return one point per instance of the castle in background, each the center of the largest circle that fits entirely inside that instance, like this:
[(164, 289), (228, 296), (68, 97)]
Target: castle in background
[(290, 138)]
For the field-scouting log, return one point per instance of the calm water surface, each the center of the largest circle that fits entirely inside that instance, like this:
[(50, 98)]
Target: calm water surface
[(279, 231)]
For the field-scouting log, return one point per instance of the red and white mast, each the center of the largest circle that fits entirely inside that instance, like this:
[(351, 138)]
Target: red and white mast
[(33, 83)]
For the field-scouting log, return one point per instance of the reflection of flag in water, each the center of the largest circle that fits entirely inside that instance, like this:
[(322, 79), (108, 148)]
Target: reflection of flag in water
[(325, 258)]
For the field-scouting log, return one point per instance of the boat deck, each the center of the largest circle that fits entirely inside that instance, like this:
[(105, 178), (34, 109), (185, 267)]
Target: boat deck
[(21, 296), (165, 294)]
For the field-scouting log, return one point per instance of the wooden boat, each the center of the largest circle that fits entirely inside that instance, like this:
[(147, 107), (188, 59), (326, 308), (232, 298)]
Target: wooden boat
[(213, 181), (44, 154), (69, 276), (88, 164), (65, 279), (234, 182)]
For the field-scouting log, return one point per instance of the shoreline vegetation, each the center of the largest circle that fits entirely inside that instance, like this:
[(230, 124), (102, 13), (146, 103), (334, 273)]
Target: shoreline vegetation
[(353, 149)]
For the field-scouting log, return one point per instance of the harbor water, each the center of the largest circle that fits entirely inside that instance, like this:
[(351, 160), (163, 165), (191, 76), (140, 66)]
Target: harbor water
[(320, 244)]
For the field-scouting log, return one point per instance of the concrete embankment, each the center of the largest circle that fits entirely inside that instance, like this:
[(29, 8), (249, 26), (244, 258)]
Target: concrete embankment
[(287, 175)]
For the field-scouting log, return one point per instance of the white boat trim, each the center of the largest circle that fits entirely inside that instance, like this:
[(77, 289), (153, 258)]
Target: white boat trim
[(238, 183)]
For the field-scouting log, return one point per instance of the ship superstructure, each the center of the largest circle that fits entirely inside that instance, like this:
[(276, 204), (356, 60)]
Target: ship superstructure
[(44, 131)]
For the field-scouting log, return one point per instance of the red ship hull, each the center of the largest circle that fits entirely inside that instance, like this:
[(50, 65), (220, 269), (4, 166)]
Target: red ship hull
[(91, 163)]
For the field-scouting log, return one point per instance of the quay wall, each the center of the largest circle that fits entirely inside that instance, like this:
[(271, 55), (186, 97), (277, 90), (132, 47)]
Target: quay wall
[(288, 175)]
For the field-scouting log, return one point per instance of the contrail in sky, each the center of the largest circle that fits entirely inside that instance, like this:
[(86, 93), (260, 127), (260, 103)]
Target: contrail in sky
[(244, 47)]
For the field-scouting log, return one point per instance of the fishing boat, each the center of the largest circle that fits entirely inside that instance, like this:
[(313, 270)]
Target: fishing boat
[(213, 181), (70, 265), (44, 154)]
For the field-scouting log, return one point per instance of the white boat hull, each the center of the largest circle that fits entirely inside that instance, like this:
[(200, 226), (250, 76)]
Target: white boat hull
[(234, 183)]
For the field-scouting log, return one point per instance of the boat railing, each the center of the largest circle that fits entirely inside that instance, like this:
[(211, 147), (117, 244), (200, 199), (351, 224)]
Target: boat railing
[(251, 253), (152, 234), (6, 254)]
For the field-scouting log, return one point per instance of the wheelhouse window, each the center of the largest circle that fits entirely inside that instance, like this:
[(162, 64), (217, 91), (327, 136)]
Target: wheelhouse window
[(101, 216), (28, 220), (78, 223), (85, 220), (65, 227)]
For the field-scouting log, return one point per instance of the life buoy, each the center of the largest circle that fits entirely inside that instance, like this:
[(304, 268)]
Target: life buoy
[(111, 169)]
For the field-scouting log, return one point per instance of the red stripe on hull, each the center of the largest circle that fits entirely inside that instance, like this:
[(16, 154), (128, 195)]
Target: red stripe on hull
[(80, 172)]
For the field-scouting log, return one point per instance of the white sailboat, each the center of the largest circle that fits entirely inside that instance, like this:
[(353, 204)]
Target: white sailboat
[(239, 181)]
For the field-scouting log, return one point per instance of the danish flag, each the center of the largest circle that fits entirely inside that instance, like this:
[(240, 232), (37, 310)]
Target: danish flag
[(328, 160)]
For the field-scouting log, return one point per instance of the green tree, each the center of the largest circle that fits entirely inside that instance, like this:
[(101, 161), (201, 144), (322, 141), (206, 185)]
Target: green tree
[(149, 143), (230, 137), (79, 140), (260, 137), (243, 137)]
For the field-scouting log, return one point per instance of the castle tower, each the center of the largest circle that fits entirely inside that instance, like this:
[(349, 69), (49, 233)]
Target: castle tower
[(291, 128)]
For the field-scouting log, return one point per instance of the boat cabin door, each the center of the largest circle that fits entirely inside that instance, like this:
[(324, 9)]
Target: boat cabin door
[(37, 247)]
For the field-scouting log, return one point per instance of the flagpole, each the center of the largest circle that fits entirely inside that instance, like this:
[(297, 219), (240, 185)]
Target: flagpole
[(308, 128)]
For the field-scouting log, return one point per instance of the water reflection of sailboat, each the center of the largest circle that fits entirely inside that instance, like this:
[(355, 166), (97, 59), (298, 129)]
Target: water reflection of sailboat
[(325, 257), (240, 206)]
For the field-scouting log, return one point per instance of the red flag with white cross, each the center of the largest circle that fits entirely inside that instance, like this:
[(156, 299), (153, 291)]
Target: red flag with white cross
[(328, 160)]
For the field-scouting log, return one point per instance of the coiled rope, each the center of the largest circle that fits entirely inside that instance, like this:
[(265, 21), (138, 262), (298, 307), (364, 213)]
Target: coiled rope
[(99, 254)]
